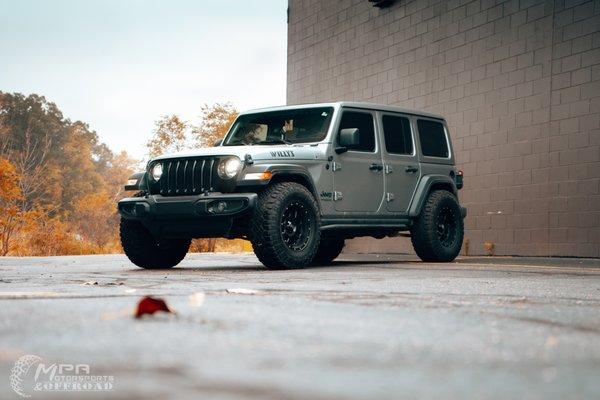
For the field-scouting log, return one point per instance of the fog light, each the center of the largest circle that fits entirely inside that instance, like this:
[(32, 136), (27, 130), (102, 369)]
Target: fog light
[(221, 206), (217, 207)]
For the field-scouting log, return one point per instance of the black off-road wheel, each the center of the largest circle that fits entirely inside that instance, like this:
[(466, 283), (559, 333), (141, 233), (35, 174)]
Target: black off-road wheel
[(437, 234), (329, 249), (146, 252), (285, 228)]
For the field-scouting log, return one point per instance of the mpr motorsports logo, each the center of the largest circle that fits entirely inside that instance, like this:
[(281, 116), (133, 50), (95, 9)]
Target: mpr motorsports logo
[(30, 374)]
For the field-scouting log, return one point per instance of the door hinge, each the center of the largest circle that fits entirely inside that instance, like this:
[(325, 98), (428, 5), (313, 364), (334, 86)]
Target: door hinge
[(335, 166), (388, 169), (337, 196), (389, 197)]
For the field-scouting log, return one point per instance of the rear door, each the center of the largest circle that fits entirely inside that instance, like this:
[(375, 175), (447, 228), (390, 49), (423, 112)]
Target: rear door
[(401, 169), (358, 173)]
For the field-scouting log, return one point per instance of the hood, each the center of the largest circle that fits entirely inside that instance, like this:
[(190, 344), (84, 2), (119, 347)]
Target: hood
[(268, 152)]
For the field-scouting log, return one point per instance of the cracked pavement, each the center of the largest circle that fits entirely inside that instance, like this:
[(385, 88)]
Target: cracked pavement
[(368, 326)]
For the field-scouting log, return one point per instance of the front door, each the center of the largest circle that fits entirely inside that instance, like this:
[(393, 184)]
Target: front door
[(358, 172), (402, 170)]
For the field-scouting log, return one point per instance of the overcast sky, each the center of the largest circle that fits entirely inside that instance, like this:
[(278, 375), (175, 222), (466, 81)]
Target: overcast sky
[(120, 64)]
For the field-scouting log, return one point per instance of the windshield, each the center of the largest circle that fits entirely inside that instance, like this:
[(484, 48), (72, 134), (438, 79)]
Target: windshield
[(281, 127)]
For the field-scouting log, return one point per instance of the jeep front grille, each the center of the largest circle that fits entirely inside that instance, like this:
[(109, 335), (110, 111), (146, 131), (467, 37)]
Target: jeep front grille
[(186, 176)]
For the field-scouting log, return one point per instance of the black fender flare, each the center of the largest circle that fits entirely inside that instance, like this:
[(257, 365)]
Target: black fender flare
[(140, 184), (425, 186), (290, 172), (283, 171)]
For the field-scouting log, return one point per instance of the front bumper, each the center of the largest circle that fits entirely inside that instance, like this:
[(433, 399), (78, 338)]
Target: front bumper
[(202, 215)]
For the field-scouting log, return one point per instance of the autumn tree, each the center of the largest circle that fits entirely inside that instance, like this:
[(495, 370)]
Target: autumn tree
[(35, 129), (10, 197), (59, 182), (95, 218), (77, 167), (169, 136), (119, 168), (5, 134), (215, 122), (51, 236), (62, 169)]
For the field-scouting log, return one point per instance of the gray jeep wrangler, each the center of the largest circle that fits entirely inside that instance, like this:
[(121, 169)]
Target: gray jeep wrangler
[(297, 182)]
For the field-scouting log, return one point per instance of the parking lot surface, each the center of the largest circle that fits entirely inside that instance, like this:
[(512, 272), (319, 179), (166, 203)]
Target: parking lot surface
[(381, 327)]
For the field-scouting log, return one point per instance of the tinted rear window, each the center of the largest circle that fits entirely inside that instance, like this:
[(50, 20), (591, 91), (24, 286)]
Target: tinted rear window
[(397, 135), (432, 138)]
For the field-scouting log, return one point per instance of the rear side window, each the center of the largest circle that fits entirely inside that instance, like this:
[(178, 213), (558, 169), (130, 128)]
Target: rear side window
[(364, 123), (432, 138), (397, 135)]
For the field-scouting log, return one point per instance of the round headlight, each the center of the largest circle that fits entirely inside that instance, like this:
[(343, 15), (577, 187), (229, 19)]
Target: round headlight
[(157, 171), (229, 167)]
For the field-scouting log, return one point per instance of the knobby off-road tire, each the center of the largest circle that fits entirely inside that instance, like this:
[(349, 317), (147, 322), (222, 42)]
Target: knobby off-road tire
[(145, 251), (285, 229), (328, 250), (437, 234)]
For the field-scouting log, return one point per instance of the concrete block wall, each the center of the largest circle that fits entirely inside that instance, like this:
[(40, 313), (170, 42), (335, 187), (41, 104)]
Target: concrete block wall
[(519, 82)]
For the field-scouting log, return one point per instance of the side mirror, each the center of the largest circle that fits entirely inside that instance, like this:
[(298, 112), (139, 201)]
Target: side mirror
[(349, 137), (217, 142)]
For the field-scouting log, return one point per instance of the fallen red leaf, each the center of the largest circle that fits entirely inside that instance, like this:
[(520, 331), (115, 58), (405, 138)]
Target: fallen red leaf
[(150, 305)]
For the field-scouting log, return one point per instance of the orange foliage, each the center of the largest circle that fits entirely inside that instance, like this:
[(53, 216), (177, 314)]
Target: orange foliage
[(216, 121), (47, 236), (10, 195), (169, 136), (9, 182), (94, 218), (219, 245), (59, 184)]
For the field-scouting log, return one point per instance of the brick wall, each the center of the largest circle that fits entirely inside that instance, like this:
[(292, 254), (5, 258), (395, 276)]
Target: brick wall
[(519, 82)]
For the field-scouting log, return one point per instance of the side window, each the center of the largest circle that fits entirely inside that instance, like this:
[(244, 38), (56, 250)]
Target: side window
[(364, 123), (432, 138), (397, 135)]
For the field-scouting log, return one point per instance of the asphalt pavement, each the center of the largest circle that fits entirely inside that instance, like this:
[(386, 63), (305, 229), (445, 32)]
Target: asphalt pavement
[(367, 327)]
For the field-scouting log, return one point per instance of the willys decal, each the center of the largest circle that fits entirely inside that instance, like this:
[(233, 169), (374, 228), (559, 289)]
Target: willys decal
[(282, 153)]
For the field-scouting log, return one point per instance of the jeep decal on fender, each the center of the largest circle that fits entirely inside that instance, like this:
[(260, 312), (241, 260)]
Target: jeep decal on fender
[(282, 153)]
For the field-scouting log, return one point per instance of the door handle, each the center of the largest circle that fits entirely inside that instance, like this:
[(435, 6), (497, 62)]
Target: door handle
[(411, 169), (376, 167)]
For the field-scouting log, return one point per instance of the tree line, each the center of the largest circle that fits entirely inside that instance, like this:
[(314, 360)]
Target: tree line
[(59, 183)]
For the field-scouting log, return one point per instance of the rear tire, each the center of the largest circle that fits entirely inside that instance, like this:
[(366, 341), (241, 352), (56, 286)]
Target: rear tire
[(329, 249), (146, 252), (285, 228), (438, 232)]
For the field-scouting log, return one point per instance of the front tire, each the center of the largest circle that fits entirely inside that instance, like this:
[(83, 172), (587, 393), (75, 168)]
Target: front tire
[(146, 252), (437, 234), (285, 230)]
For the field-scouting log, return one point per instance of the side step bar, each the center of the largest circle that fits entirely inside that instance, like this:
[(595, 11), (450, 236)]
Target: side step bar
[(346, 223)]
